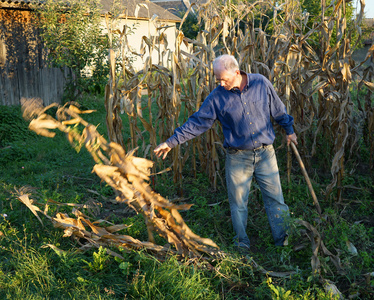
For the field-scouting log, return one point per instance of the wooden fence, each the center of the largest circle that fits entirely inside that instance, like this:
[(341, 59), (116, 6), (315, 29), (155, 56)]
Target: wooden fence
[(24, 71)]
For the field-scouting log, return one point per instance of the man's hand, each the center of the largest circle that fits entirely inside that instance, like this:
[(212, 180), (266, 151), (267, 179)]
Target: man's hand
[(163, 148), (292, 138)]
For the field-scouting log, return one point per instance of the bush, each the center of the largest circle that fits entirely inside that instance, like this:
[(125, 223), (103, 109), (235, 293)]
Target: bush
[(12, 126)]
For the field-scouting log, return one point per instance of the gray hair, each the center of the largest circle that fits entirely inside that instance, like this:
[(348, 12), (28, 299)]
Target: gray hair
[(228, 62)]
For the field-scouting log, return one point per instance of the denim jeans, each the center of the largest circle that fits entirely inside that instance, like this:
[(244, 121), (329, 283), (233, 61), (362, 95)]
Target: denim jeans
[(241, 167)]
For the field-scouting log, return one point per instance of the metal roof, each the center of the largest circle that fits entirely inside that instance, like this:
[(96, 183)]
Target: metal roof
[(146, 9), (17, 1)]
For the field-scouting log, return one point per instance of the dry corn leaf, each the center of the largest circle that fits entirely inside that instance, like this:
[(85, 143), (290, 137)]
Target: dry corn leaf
[(347, 76), (75, 109), (351, 248), (317, 246), (331, 288), (29, 203), (370, 85), (54, 248), (42, 124)]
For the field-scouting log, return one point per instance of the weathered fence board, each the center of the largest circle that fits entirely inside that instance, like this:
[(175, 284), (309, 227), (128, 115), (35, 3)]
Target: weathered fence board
[(24, 71)]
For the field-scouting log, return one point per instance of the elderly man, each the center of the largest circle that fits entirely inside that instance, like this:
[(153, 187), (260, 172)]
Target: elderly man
[(244, 104)]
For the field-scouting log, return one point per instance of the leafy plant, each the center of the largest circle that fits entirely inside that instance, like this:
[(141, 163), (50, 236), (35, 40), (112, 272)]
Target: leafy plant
[(12, 126), (72, 33), (278, 291), (172, 280), (100, 260)]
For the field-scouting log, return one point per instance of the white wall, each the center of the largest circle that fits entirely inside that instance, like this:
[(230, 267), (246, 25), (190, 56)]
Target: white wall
[(147, 29)]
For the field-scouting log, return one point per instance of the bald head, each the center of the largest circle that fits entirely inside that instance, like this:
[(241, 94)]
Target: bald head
[(225, 63)]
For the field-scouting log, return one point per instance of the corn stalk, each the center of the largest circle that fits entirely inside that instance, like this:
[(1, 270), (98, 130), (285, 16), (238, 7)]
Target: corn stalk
[(314, 84), (128, 176)]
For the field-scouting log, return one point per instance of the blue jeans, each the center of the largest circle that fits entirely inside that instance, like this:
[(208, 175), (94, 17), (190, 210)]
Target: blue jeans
[(241, 167)]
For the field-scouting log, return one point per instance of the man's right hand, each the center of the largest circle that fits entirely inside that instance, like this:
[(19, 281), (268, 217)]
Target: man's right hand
[(292, 138), (163, 148)]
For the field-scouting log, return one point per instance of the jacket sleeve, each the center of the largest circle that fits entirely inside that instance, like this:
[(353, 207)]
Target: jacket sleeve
[(278, 110), (196, 124)]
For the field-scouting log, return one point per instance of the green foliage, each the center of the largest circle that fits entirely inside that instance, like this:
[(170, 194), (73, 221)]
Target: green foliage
[(12, 126), (71, 32), (190, 26), (73, 35), (278, 291), (314, 11), (366, 32), (137, 227), (99, 261), (307, 15), (30, 269), (125, 267), (172, 280)]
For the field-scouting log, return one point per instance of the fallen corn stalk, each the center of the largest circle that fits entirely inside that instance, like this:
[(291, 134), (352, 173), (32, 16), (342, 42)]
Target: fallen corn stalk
[(128, 176), (95, 234)]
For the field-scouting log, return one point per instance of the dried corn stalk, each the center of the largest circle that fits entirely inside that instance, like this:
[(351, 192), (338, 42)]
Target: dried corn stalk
[(318, 247), (313, 83), (81, 227), (129, 176)]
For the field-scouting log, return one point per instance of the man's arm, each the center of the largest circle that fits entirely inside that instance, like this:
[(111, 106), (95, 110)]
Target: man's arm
[(279, 113), (196, 124)]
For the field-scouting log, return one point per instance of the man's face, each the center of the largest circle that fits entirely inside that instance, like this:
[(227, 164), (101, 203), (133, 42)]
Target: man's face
[(227, 79)]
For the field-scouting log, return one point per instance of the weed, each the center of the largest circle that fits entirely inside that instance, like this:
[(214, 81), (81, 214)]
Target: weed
[(99, 261), (172, 280)]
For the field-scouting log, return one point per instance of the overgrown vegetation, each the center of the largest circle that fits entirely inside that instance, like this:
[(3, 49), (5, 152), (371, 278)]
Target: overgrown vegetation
[(37, 262), (329, 255)]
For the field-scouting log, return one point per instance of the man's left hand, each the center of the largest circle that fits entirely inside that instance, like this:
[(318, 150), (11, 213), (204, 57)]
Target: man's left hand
[(292, 138)]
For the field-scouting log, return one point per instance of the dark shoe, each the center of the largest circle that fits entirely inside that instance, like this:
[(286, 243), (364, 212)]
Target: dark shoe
[(285, 242), (242, 248)]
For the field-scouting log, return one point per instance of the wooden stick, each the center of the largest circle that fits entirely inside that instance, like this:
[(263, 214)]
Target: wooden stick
[(303, 170)]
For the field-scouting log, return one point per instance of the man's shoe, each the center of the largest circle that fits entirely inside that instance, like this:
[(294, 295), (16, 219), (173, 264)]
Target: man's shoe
[(285, 243), (242, 248)]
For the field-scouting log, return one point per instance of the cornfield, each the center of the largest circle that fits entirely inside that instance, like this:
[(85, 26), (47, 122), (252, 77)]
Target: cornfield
[(314, 84), (129, 177)]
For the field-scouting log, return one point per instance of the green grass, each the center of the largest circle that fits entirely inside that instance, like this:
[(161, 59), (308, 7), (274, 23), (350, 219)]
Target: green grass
[(29, 269)]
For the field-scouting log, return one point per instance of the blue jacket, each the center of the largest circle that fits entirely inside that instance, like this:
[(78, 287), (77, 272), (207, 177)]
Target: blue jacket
[(245, 116)]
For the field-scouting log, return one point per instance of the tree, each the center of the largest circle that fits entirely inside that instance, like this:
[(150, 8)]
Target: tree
[(190, 26), (314, 10), (72, 34)]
